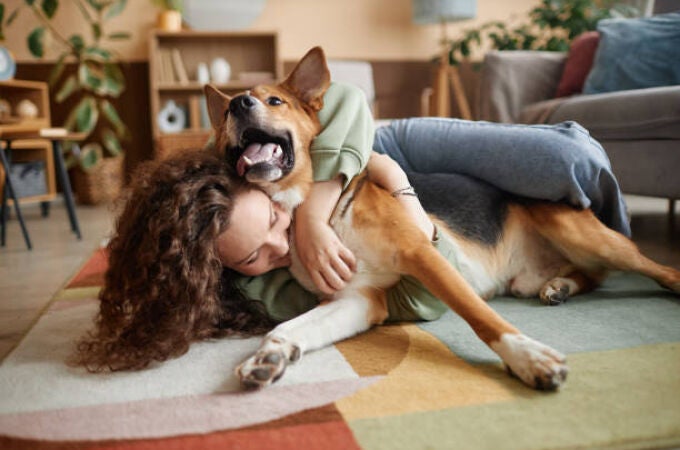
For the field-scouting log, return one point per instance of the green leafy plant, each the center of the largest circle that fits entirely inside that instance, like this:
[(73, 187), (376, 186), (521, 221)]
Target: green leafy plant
[(170, 5), (552, 26), (98, 77)]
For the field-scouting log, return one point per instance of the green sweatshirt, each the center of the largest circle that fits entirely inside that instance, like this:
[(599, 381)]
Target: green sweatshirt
[(343, 147)]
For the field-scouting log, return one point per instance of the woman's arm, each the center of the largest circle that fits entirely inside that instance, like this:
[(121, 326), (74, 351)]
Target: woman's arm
[(386, 173), (329, 263), (339, 152)]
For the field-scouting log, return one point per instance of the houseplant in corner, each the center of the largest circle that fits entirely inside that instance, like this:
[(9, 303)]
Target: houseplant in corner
[(90, 88), (552, 25)]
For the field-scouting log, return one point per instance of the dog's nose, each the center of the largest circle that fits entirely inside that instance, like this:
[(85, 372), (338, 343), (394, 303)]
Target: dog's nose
[(242, 104)]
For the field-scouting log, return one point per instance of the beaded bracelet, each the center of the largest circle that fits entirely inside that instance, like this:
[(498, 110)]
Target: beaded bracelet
[(408, 190)]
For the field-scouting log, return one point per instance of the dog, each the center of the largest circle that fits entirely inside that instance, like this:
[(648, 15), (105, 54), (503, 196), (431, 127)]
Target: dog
[(550, 250)]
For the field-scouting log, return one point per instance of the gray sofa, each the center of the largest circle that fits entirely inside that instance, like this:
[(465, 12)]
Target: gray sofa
[(639, 129)]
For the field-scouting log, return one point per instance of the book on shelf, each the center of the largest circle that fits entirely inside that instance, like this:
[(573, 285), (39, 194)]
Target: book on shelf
[(178, 65), (166, 72)]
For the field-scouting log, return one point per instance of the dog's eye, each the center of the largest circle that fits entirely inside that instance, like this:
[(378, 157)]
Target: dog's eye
[(274, 101)]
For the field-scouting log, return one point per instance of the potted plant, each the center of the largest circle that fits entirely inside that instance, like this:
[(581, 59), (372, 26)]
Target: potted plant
[(97, 80), (552, 26), (170, 16)]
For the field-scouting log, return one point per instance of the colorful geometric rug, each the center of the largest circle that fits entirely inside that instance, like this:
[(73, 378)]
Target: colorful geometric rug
[(406, 386)]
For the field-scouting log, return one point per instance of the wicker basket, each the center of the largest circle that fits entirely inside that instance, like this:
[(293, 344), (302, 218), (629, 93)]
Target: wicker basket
[(102, 184)]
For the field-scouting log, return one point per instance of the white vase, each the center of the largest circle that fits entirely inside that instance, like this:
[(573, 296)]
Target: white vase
[(202, 73), (220, 71), (171, 119)]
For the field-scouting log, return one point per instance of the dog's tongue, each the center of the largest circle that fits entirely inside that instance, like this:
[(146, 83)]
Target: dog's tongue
[(257, 153)]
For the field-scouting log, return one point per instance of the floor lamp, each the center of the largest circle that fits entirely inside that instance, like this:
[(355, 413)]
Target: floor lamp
[(447, 78)]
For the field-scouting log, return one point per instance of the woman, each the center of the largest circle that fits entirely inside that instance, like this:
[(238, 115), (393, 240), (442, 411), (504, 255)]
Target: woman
[(175, 255)]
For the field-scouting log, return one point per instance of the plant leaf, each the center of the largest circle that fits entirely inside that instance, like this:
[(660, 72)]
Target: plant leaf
[(89, 157), (77, 42), (89, 78), (69, 87), (35, 42), (97, 53), (115, 9), (112, 116), (13, 15), (57, 70), (114, 80), (111, 142), (84, 116), (96, 5), (49, 7), (96, 31)]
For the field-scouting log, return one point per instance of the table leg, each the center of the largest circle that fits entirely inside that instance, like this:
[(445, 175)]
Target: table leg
[(66, 186), (10, 189)]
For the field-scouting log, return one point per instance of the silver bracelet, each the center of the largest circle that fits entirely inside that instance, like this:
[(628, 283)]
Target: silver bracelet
[(408, 190)]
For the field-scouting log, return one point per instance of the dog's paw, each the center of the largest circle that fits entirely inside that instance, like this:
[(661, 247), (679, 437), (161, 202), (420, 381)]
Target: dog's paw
[(556, 291), (536, 364), (268, 364)]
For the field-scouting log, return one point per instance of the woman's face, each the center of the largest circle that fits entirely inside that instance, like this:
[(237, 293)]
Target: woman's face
[(256, 240)]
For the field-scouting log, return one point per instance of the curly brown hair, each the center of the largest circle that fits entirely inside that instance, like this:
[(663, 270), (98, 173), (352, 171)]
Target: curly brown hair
[(165, 286)]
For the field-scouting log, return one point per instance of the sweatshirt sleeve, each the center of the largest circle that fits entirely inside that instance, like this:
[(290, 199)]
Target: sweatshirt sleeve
[(346, 139), (282, 296)]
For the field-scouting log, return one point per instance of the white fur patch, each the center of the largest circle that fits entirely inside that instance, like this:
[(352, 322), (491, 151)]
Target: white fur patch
[(289, 199)]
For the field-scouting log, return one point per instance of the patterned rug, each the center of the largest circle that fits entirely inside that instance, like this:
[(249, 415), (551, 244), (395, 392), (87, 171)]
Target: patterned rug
[(406, 386)]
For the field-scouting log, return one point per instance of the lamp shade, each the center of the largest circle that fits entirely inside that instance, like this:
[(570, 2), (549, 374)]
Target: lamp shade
[(437, 11)]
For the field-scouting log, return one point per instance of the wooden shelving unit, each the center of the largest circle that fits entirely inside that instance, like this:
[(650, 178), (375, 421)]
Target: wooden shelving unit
[(14, 91), (174, 58)]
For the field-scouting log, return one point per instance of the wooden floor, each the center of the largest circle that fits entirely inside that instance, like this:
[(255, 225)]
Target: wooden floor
[(29, 279)]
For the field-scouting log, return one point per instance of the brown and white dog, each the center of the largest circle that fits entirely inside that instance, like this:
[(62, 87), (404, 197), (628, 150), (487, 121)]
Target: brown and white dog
[(547, 249)]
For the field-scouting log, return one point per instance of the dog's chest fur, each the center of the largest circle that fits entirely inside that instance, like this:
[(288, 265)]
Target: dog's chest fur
[(371, 270)]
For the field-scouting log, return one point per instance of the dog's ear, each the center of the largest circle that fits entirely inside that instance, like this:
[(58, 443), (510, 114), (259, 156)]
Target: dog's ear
[(310, 78), (218, 103)]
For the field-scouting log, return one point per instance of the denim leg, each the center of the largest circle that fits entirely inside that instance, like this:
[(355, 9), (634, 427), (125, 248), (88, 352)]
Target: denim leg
[(559, 162)]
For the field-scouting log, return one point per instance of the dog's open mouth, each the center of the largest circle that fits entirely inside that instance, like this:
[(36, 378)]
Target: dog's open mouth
[(264, 156)]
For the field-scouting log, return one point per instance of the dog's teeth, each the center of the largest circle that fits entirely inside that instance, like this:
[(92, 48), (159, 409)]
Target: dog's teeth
[(278, 151), (248, 161)]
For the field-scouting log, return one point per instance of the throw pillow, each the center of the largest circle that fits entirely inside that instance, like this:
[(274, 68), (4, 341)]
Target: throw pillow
[(636, 53), (578, 64)]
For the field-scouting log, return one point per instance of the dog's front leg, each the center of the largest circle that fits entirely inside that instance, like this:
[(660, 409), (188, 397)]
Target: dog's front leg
[(348, 314)]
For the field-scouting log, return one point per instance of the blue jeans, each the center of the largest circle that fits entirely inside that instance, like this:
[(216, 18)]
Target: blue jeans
[(550, 162)]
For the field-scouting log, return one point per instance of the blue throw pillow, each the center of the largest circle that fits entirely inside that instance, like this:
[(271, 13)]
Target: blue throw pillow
[(636, 53)]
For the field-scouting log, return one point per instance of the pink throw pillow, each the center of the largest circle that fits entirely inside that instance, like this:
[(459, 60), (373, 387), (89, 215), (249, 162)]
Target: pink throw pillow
[(578, 64)]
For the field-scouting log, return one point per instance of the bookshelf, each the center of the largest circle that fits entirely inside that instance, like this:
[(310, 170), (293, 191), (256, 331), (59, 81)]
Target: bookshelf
[(28, 150), (174, 61)]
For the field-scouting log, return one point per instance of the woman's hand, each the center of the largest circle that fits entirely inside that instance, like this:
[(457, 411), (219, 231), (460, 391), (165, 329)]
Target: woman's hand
[(388, 174), (329, 262)]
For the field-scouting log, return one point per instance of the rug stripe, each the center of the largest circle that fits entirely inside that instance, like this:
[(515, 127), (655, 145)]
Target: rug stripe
[(619, 398), (176, 416), (429, 378)]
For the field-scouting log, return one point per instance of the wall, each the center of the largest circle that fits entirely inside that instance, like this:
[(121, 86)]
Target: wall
[(360, 29), (376, 30)]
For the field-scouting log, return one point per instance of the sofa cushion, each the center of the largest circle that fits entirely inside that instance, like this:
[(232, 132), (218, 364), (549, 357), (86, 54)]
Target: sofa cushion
[(636, 53), (652, 113), (578, 64)]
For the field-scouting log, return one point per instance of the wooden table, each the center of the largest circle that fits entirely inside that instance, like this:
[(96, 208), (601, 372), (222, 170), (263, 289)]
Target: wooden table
[(56, 136)]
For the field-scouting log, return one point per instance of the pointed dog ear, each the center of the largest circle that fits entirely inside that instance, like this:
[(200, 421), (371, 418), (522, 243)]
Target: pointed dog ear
[(310, 78), (218, 103)]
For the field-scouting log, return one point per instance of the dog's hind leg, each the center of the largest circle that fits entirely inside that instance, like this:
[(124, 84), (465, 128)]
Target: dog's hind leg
[(593, 247), (536, 364), (350, 314), (569, 282)]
